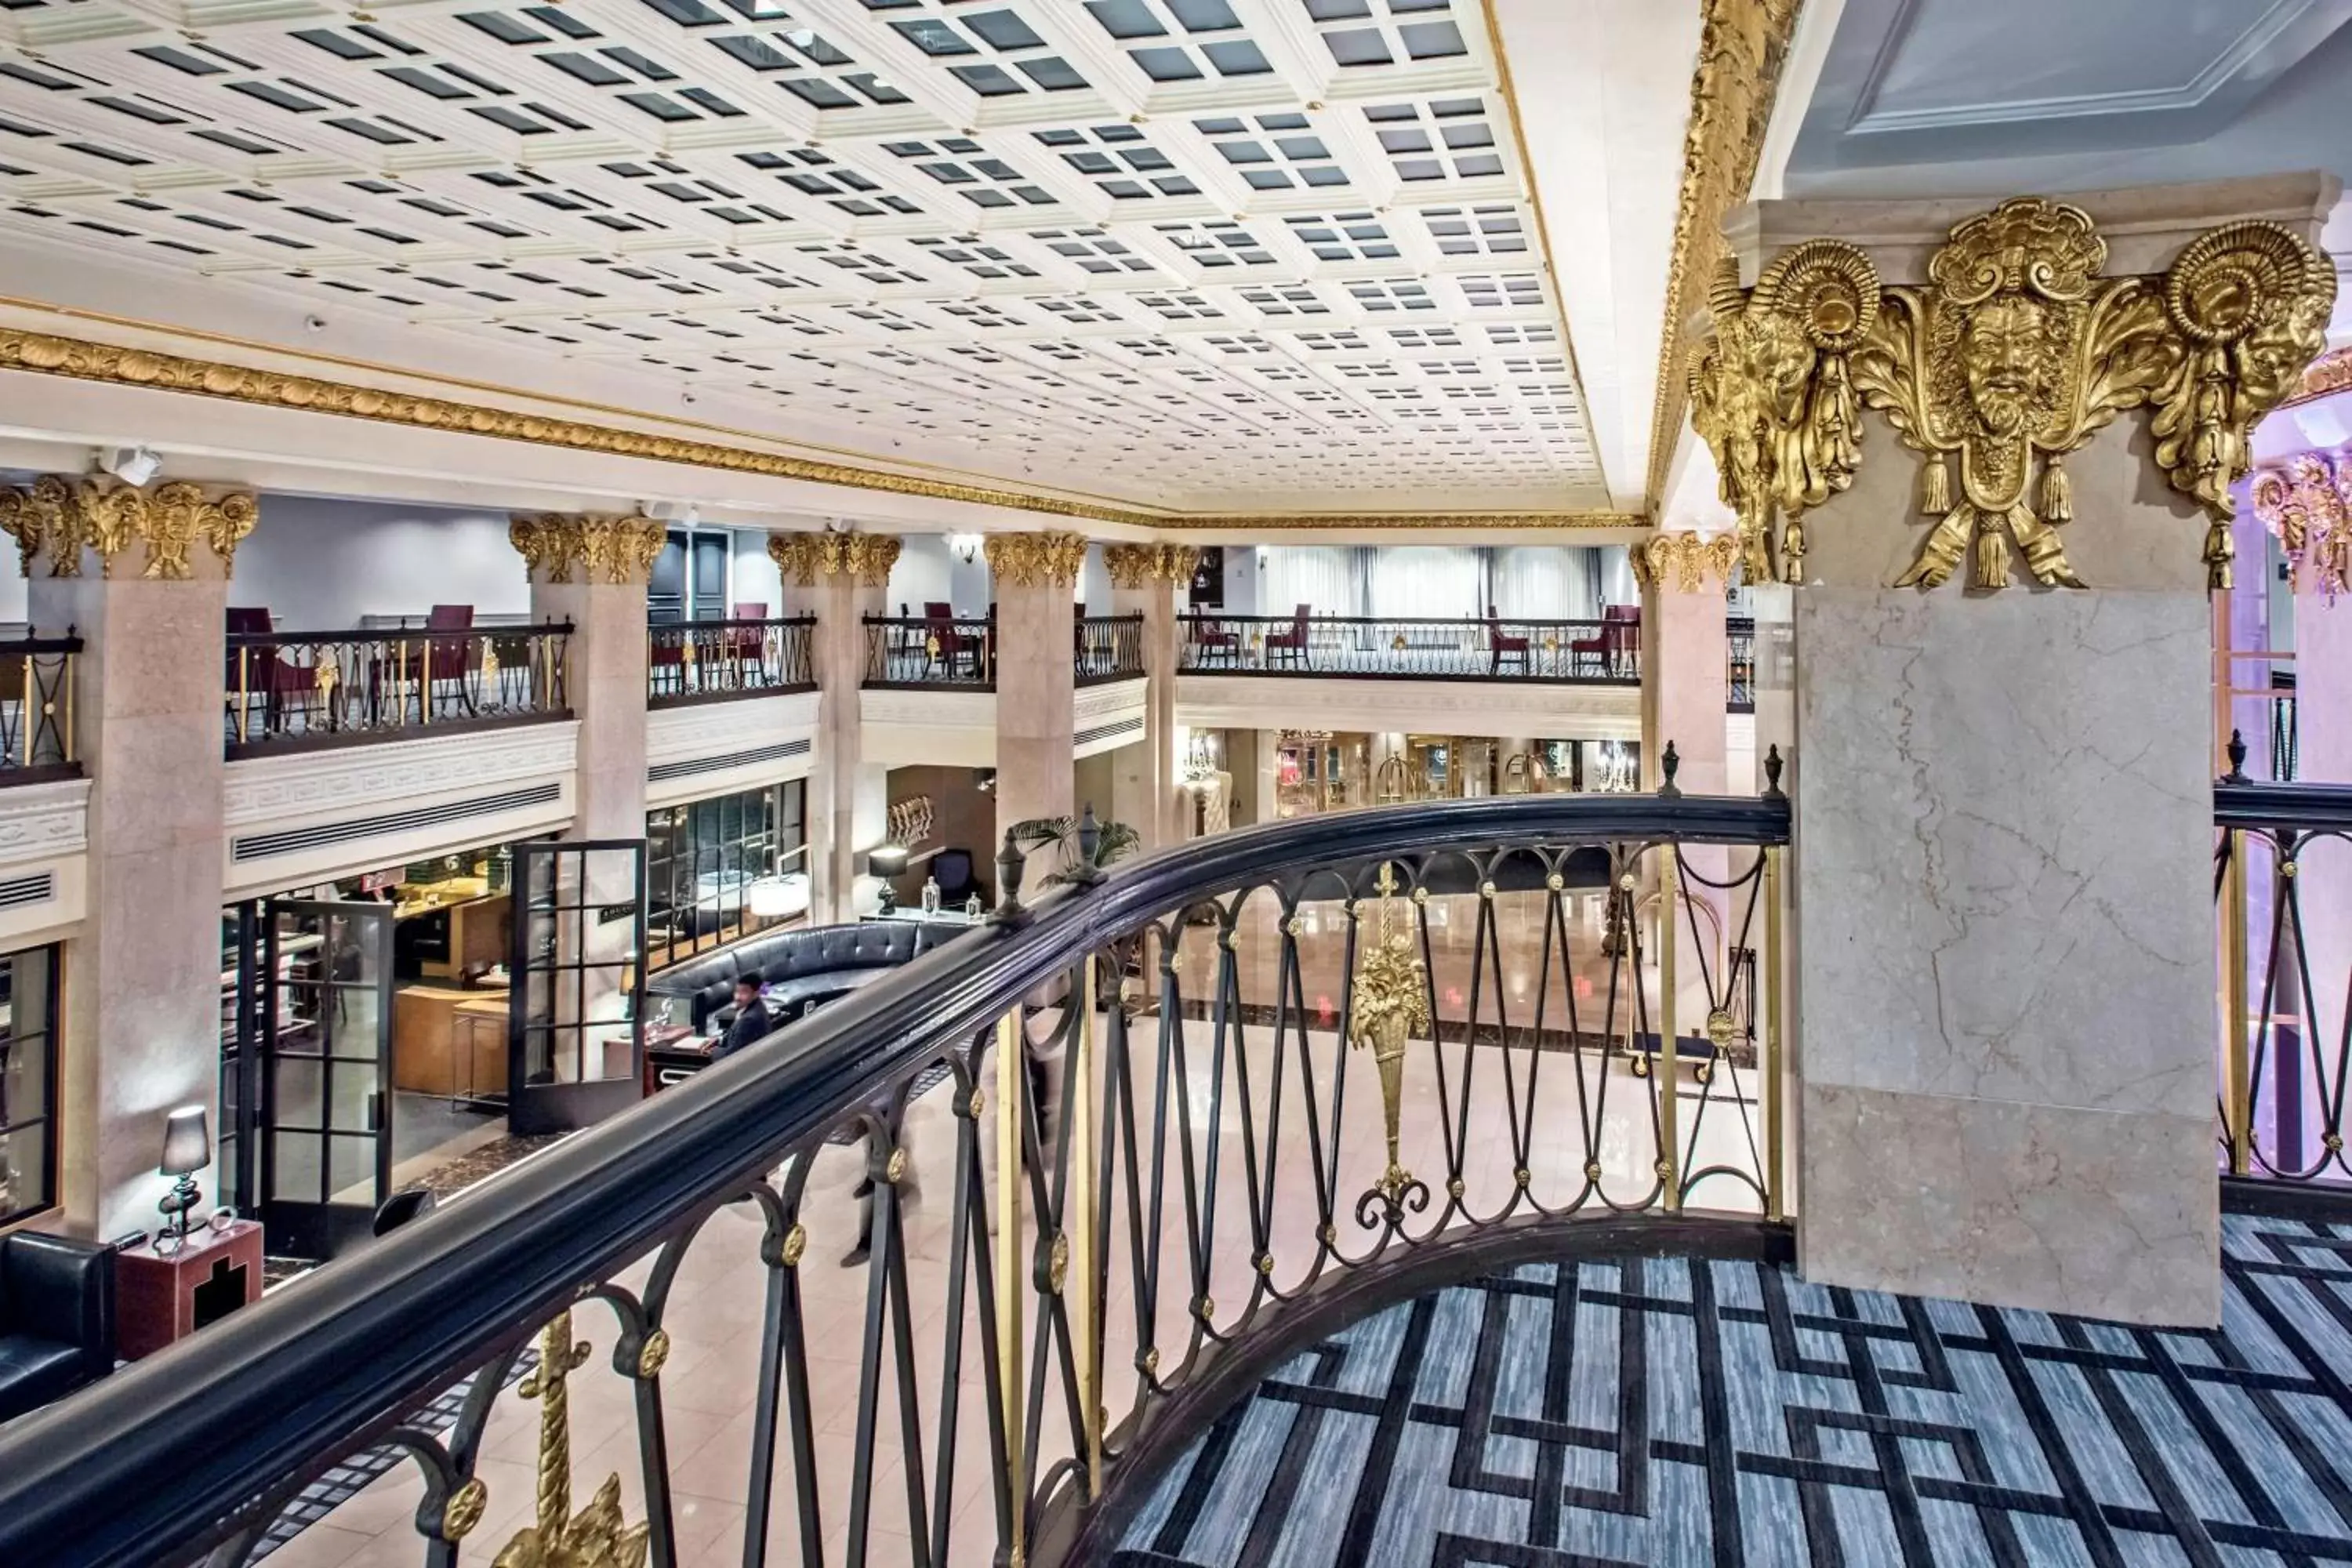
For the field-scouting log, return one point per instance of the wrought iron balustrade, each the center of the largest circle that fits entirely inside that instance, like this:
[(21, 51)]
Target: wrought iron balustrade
[(1107, 648), (1171, 1117), (2283, 882), (292, 689), (37, 708), (931, 650), (1603, 652), (696, 661), (1739, 674)]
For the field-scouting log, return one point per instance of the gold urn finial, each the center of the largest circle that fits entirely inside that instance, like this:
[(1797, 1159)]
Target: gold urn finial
[(1389, 1003), (597, 1536)]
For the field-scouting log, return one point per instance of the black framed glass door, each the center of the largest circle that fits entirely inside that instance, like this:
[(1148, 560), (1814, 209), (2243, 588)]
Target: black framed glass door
[(325, 1035), (576, 1013)]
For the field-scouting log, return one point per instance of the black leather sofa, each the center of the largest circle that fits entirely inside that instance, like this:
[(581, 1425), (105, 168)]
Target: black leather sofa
[(802, 968), (57, 1318)]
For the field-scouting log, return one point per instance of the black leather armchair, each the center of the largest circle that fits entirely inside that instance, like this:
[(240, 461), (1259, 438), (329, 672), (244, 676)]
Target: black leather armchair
[(57, 1318), (802, 967)]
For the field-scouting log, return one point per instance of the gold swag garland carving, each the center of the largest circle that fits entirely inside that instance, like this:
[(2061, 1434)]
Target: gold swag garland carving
[(59, 516), (2012, 356), (1036, 560)]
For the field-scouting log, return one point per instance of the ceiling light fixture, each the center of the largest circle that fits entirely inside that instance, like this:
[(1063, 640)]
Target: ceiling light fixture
[(132, 465)]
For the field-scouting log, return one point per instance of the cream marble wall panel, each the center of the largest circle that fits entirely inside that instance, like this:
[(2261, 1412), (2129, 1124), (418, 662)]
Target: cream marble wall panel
[(2004, 854), (1207, 702), (912, 729), (701, 731), (2029, 1205)]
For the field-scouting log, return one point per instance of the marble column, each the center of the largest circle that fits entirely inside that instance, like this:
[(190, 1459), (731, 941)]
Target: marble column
[(1035, 574), (2002, 885), (592, 572), (1685, 686), (143, 575), (841, 577), (1145, 581)]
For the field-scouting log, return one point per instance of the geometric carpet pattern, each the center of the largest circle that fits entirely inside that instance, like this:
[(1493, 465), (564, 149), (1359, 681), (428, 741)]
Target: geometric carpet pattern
[(1711, 1413)]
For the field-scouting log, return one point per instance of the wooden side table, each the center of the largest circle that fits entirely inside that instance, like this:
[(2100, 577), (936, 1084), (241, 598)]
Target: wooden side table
[(160, 1297)]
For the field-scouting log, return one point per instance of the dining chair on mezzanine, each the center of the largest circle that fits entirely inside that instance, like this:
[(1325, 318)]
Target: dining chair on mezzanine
[(1502, 645), (1292, 645)]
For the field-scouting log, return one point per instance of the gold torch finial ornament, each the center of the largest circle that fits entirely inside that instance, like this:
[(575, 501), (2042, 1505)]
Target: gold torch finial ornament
[(1390, 1002)]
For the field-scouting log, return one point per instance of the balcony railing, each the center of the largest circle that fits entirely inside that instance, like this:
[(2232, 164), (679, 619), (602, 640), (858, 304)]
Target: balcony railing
[(1739, 641), (2282, 881), (1107, 648), (290, 690), (1603, 652), (1150, 1144), (704, 661), (36, 708), (931, 650)]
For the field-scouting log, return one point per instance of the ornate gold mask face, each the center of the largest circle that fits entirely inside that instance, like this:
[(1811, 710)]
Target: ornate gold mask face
[(2003, 354)]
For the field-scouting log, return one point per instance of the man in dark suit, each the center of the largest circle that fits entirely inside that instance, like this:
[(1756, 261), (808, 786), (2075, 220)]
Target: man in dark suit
[(751, 1019)]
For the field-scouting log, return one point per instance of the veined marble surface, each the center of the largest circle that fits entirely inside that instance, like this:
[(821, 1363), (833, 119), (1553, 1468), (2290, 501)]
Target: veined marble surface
[(2004, 882)]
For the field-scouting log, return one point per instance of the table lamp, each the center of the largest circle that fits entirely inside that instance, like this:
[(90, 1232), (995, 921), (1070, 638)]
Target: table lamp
[(187, 1149), (885, 861)]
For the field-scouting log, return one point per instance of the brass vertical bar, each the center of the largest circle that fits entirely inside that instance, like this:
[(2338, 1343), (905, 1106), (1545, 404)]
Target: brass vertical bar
[(2239, 1063), (399, 686), (424, 692), (1011, 1270), (71, 669), (1775, 1081), (244, 691), (30, 708), (1079, 1220), (1670, 1143)]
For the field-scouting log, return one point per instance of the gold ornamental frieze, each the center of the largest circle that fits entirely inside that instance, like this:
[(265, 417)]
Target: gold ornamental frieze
[(2016, 351), (58, 517), (1036, 560), (2307, 503), (808, 557)]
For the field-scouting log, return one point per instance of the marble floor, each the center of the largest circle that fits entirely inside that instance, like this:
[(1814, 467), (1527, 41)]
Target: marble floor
[(1707, 1413)]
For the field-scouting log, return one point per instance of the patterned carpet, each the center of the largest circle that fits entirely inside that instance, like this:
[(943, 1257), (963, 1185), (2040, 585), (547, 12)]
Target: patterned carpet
[(1692, 1412)]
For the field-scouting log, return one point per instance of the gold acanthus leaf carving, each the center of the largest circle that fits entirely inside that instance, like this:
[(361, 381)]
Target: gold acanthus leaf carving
[(2308, 505), (1692, 558), (59, 518), (1138, 566), (1773, 397), (1036, 560), (808, 557), (616, 551)]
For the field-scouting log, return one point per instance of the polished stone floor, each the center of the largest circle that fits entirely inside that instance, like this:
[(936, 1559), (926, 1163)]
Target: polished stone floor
[(1689, 1412)]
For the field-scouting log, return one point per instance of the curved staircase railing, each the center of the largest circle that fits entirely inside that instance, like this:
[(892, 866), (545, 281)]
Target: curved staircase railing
[(1237, 1073)]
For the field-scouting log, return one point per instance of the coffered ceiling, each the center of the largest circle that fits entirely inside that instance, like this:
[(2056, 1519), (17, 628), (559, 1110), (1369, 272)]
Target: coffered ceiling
[(1207, 254)]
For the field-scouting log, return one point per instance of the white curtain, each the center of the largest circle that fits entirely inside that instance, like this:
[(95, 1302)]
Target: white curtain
[(1546, 583), (1617, 584), (1441, 581), (1320, 576)]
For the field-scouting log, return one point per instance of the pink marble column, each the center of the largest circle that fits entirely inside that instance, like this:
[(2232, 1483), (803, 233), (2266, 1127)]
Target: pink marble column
[(1145, 581), (141, 1020), (841, 578), (592, 572), (1685, 684), (1035, 575)]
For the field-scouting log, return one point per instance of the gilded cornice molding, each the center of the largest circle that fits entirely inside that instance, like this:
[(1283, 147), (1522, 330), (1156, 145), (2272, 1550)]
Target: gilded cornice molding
[(57, 518), (1036, 560), (2308, 503), (1135, 566), (83, 360), (2014, 353), (1691, 558), (617, 551), (806, 557), (1741, 45)]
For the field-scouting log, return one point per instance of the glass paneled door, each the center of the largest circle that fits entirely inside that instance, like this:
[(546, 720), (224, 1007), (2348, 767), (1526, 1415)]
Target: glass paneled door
[(326, 1073), (575, 1029)]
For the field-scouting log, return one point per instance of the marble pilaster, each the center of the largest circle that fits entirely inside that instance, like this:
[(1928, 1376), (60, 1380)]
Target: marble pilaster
[(1145, 581), (841, 578), (1036, 625), (1684, 684), (141, 1022), (2002, 896)]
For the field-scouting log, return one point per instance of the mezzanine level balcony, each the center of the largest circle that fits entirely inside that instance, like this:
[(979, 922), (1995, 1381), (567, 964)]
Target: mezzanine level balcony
[(290, 690), (724, 661)]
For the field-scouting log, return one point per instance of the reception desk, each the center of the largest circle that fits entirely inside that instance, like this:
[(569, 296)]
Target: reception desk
[(449, 1042)]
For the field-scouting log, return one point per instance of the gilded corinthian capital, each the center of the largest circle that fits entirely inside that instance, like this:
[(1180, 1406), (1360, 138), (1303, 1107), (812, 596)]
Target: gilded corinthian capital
[(806, 557), (59, 518), (2015, 351), (1690, 558), (2308, 503), (1037, 560), (616, 551), (1133, 566)]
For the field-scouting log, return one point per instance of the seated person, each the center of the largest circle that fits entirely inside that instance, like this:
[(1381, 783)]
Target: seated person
[(751, 1021)]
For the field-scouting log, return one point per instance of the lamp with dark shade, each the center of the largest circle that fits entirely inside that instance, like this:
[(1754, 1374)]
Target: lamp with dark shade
[(187, 1149), (885, 861)]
